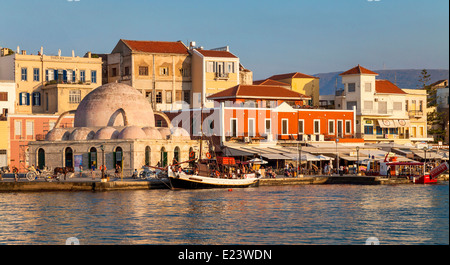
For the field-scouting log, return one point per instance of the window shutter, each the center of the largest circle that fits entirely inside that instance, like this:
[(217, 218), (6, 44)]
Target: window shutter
[(56, 75), (65, 75), (46, 75), (73, 75), (38, 103), (20, 99), (28, 99)]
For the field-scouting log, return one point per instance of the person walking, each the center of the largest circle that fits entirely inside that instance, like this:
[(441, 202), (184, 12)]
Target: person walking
[(93, 170)]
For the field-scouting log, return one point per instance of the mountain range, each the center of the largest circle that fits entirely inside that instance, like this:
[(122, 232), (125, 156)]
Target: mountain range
[(403, 78)]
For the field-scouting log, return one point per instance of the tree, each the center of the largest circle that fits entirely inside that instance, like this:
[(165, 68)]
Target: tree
[(434, 118)]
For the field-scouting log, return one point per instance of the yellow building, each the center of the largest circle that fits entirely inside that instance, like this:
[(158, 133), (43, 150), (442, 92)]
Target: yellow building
[(302, 83), (160, 70), (212, 71), (416, 106), (4, 143), (50, 83)]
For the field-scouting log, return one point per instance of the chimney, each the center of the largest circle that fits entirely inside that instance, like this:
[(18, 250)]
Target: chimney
[(59, 52), (73, 53), (24, 52), (42, 50), (18, 49), (89, 54)]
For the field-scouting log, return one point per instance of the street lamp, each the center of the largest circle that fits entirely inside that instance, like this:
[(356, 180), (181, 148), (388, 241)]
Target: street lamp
[(337, 156), (357, 158), (102, 147), (299, 159), (425, 165)]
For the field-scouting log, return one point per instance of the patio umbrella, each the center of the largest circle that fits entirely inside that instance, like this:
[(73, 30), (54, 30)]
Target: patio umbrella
[(257, 161), (322, 157)]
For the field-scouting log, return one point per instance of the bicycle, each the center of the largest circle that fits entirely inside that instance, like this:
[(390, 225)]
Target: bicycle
[(146, 173)]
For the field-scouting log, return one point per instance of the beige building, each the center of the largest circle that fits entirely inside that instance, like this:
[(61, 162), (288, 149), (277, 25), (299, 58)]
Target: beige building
[(160, 70), (49, 83)]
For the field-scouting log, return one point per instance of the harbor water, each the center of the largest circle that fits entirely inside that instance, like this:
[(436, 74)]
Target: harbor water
[(300, 214)]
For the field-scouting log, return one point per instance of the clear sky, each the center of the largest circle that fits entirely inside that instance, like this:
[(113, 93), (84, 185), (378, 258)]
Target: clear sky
[(269, 36)]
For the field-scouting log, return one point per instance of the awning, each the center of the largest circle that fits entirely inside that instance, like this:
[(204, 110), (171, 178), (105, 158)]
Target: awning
[(393, 123), (275, 156)]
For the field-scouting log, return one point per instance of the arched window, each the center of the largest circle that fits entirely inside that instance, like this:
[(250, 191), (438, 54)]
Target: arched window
[(68, 156), (41, 158), (163, 161), (93, 158), (147, 155), (176, 154), (118, 157)]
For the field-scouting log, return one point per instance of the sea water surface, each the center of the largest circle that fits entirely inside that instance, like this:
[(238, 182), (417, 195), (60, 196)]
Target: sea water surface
[(304, 214)]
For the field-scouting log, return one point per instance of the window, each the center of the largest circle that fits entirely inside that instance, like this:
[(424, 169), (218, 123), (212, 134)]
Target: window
[(46, 101), (382, 107), (3, 96), (24, 98), (159, 123), (17, 127), (251, 127), (301, 128), (268, 125), (36, 74), (397, 106), (230, 68), (93, 76), (406, 105), (24, 74), (69, 75), (49, 74), (351, 87), (421, 105), (159, 97), (340, 125), (351, 104), (143, 70), (368, 129), (284, 126), (184, 72), (113, 72), (187, 97), (36, 99), (316, 126), (234, 128), (29, 128), (368, 87), (127, 70), (83, 76), (168, 97), (210, 67), (330, 126), (348, 127), (379, 130), (368, 105), (164, 71), (74, 96)]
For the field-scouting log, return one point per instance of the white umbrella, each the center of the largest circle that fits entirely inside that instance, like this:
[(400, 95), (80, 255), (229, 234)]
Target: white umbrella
[(322, 157), (307, 157), (257, 161)]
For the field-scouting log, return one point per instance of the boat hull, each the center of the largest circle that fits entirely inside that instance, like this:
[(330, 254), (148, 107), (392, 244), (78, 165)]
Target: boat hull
[(198, 182), (426, 179)]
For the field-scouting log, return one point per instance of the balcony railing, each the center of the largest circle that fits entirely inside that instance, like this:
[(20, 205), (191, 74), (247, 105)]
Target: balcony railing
[(222, 76), (415, 113)]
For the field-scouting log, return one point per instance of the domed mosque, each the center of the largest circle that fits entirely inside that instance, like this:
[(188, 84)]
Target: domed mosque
[(117, 121)]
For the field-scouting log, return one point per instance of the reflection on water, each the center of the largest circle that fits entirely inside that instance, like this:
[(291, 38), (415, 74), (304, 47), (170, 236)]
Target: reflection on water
[(311, 214)]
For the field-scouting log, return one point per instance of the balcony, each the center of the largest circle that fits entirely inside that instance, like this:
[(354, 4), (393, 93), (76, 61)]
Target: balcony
[(222, 76), (415, 113)]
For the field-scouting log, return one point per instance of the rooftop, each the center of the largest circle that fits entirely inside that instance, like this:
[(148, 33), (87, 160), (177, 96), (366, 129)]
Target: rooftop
[(212, 53), (156, 46), (258, 92), (357, 70), (291, 75), (387, 87)]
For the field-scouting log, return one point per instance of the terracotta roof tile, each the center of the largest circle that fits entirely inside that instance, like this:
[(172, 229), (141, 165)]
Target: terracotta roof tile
[(270, 82), (258, 92), (157, 46), (291, 75), (358, 70), (385, 86), (210, 53)]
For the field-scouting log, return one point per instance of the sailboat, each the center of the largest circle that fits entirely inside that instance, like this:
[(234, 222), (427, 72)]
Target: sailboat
[(208, 173)]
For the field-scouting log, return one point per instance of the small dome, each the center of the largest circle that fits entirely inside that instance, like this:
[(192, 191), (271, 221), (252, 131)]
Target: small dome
[(165, 131), (106, 133), (82, 133), (152, 133), (57, 134), (179, 132), (132, 132)]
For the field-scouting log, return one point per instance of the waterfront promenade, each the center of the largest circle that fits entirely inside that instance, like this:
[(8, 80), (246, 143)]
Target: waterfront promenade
[(86, 183)]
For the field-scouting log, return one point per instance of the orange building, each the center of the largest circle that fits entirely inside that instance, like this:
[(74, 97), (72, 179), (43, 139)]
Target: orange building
[(30, 127)]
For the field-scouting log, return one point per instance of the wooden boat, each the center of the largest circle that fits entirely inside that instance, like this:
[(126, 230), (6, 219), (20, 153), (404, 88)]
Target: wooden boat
[(207, 178)]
